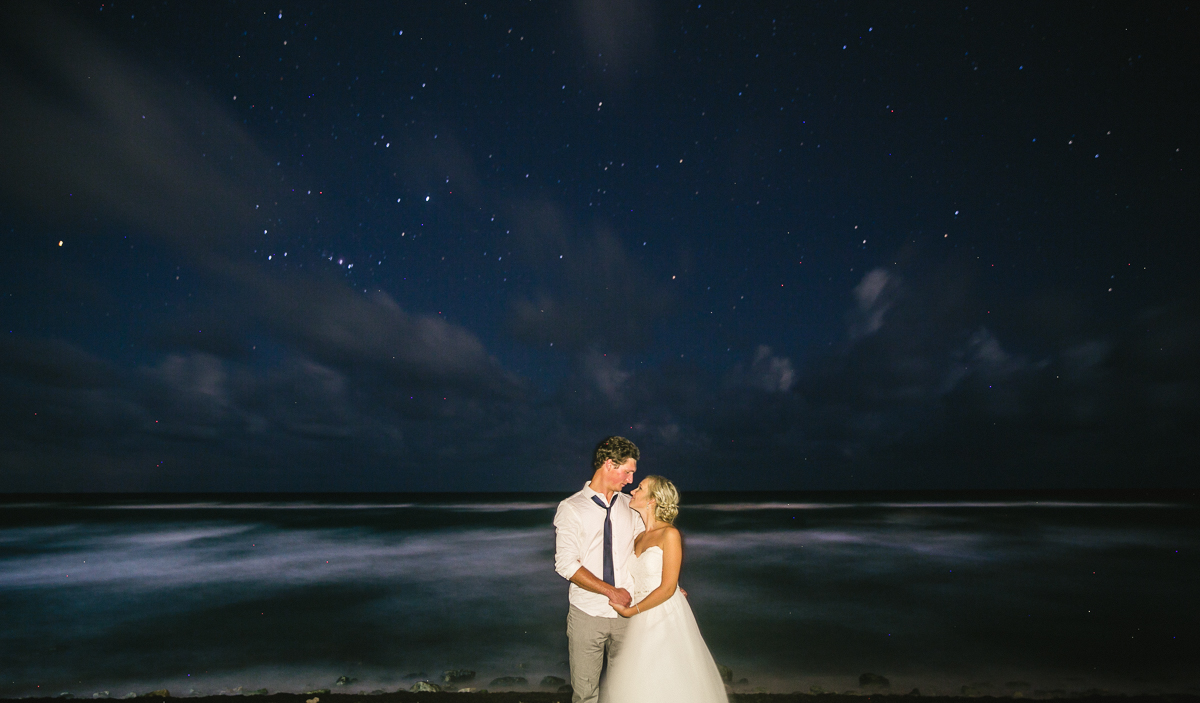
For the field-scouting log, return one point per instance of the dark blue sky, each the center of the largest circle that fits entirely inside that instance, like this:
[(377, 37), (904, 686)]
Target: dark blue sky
[(450, 246)]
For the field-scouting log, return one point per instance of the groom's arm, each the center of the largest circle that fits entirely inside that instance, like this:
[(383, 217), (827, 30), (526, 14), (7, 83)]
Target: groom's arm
[(568, 557), (588, 582)]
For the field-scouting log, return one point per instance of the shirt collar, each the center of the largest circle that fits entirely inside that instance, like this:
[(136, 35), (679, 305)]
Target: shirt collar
[(589, 492)]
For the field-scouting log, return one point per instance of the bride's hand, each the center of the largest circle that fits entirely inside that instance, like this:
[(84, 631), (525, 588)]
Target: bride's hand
[(623, 610)]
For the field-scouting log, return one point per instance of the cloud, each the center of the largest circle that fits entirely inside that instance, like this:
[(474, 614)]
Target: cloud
[(909, 406), (282, 379), (166, 159), (299, 377), (606, 375), (1082, 360), (199, 376), (193, 420), (767, 372), (598, 295), (186, 396), (617, 34), (874, 297), (54, 363), (58, 395), (171, 162), (922, 393), (86, 130), (343, 328), (983, 355)]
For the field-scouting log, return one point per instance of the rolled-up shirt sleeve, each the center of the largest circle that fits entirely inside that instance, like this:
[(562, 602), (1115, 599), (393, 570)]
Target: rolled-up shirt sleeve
[(567, 549)]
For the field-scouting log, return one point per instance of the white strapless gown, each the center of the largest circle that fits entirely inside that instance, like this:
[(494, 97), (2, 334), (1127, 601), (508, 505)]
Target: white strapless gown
[(664, 658)]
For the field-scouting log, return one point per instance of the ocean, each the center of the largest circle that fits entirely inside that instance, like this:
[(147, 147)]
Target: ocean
[(1031, 594)]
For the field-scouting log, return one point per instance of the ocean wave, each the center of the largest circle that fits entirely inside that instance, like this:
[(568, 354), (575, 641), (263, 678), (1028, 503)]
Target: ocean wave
[(136, 593), (493, 507), (172, 556), (252, 506), (742, 507)]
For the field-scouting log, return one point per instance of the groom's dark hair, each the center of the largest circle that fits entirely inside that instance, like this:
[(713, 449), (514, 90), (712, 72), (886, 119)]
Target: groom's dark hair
[(618, 449)]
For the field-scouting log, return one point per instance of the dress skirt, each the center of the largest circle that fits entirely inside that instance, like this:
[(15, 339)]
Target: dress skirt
[(664, 660)]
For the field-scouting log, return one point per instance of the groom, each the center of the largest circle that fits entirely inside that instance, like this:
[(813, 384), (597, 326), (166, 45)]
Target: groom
[(594, 531)]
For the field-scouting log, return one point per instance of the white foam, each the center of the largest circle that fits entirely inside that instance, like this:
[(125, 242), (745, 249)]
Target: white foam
[(742, 507), (172, 556), (494, 507)]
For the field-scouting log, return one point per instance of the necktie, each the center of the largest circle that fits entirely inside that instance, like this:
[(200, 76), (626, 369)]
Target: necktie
[(609, 577)]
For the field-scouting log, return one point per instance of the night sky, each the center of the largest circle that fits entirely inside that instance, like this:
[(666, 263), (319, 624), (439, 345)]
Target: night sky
[(450, 246)]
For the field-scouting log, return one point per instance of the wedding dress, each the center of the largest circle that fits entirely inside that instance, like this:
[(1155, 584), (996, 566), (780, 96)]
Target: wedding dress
[(664, 658)]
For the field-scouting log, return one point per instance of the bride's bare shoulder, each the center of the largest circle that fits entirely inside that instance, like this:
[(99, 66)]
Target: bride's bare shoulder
[(670, 535), (659, 537)]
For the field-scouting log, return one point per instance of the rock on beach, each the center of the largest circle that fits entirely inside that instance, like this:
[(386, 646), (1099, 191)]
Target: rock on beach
[(425, 687), (457, 675), (509, 681)]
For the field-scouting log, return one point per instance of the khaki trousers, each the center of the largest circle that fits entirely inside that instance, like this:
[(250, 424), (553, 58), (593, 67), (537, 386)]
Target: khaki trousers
[(587, 638)]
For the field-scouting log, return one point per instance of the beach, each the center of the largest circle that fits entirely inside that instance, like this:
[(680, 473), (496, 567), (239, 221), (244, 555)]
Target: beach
[(550, 697)]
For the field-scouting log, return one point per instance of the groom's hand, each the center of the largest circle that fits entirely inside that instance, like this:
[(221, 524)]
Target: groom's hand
[(621, 597), (623, 610)]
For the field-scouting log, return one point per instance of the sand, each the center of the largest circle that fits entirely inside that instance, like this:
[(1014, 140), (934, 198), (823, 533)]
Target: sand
[(545, 697)]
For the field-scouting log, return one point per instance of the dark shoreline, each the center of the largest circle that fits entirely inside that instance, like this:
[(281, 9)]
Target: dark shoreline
[(1180, 494), (551, 697)]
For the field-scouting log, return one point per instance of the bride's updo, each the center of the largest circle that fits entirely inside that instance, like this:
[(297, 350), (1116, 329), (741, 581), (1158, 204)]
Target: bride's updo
[(666, 498)]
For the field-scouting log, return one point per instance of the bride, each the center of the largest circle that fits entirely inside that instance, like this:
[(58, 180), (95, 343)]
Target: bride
[(664, 658)]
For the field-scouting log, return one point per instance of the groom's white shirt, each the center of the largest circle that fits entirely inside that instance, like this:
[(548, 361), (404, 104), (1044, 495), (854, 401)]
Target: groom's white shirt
[(579, 541)]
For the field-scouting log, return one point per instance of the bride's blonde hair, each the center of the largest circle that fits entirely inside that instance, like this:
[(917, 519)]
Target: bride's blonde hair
[(666, 498)]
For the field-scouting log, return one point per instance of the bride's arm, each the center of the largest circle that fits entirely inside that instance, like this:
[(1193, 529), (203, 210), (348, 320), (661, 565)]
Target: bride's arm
[(672, 548)]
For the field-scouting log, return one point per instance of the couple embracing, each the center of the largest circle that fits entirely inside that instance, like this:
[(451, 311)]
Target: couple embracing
[(622, 555)]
